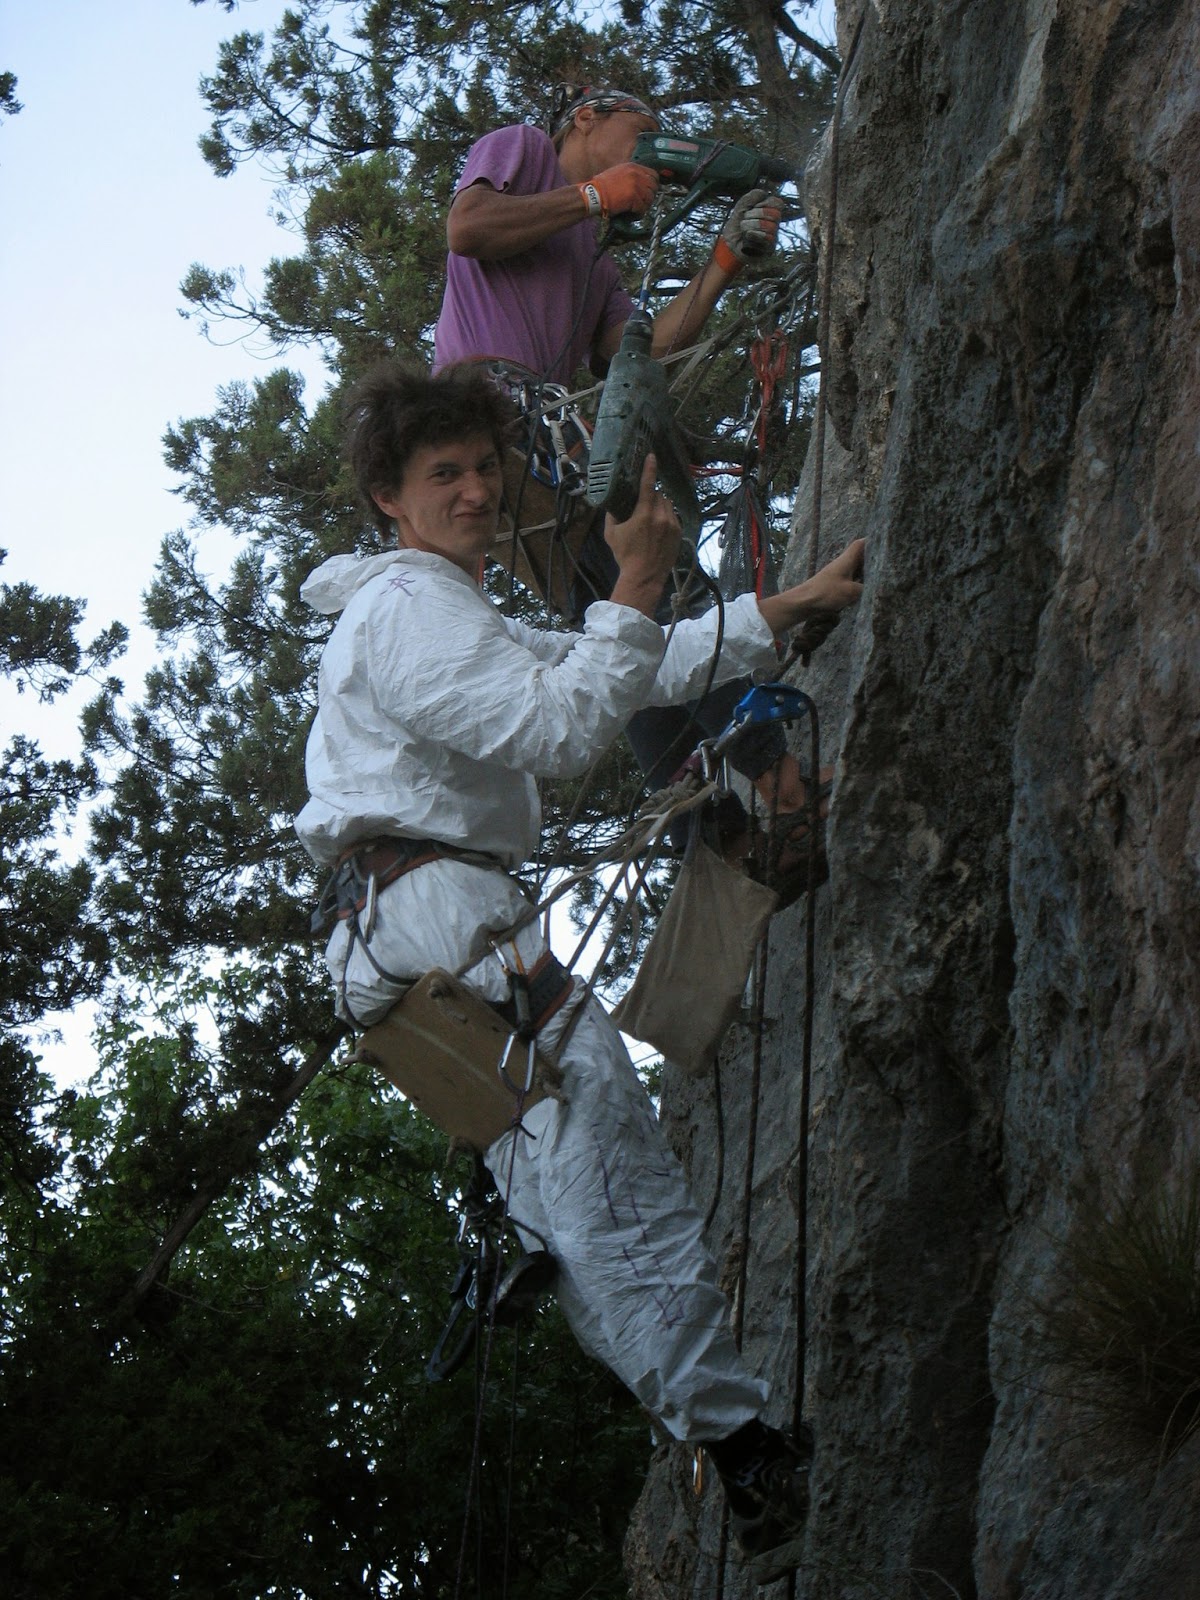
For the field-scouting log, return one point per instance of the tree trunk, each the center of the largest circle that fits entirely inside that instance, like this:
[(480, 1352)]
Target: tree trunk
[(1007, 979)]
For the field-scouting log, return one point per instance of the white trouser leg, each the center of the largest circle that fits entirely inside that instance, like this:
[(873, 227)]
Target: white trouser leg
[(636, 1281)]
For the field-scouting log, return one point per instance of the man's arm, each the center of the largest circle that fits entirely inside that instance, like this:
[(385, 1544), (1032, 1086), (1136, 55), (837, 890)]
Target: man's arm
[(836, 586), (647, 545), (443, 664), (681, 319), (750, 230), (747, 631), (489, 224)]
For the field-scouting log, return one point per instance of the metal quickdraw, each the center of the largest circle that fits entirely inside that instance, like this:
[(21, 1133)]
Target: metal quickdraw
[(768, 360), (558, 443), (535, 995), (746, 566), (526, 1032)]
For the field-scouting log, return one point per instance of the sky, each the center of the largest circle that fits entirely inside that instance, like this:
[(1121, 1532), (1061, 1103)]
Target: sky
[(105, 203)]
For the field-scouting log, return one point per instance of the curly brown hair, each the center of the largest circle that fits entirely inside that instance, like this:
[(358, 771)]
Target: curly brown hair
[(395, 410)]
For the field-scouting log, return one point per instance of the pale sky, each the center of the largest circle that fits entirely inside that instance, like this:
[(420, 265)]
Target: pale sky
[(105, 202)]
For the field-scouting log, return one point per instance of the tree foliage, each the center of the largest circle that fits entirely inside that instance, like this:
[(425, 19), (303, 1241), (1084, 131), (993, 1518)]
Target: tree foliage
[(9, 104), (55, 950), (246, 1415)]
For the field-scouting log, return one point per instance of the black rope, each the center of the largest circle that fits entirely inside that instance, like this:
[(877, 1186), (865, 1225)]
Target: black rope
[(719, 1113), (511, 1477), (482, 1366), (739, 1308), (810, 968), (823, 310)]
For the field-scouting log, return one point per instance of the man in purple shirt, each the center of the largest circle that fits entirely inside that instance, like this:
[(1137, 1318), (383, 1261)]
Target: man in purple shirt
[(529, 288), (525, 279), (548, 307)]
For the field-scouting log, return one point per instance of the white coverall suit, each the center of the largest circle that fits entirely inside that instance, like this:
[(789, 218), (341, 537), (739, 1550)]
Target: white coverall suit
[(436, 714)]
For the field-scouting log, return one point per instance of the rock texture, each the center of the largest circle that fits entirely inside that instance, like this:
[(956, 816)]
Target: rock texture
[(1007, 990)]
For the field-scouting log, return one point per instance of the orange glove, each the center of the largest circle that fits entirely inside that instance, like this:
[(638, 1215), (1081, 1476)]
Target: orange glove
[(629, 187)]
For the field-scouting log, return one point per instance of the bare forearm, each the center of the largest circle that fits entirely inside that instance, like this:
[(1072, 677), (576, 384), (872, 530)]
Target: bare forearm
[(639, 592), (679, 322), (836, 586), (782, 612), (490, 226)]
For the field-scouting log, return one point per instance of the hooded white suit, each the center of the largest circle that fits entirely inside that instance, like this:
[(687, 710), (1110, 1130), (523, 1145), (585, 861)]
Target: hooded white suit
[(436, 715)]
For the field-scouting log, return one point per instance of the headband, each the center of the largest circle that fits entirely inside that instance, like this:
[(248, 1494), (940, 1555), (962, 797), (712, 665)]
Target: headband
[(570, 98)]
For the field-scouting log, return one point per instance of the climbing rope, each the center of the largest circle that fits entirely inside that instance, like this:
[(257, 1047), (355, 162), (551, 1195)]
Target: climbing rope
[(826, 301), (814, 767), (518, 977), (780, 301)]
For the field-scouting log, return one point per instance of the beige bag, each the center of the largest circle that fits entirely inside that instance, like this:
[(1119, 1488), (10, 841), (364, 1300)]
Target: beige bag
[(441, 1045), (693, 975)]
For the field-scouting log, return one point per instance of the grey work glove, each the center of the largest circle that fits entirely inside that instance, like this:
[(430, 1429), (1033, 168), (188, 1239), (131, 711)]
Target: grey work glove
[(752, 227)]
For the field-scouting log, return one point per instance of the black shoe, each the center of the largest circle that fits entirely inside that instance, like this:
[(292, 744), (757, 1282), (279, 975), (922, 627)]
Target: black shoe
[(523, 1285), (766, 1484)]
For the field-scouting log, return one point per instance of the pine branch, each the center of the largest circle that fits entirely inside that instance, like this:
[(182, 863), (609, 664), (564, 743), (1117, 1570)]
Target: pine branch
[(823, 53)]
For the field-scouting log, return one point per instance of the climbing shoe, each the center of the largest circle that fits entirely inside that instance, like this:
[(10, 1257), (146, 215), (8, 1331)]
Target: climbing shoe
[(765, 1475), (523, 1285)]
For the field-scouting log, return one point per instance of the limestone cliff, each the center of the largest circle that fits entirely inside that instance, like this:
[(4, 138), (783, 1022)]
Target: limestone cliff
[(1007, 1024)]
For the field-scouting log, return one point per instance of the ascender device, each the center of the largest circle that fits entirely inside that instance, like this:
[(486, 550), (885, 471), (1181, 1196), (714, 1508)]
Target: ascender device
[(636, 417), (712, 169)]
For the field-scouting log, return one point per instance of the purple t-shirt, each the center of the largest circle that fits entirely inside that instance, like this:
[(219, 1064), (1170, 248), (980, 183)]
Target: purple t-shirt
[(545, 307)]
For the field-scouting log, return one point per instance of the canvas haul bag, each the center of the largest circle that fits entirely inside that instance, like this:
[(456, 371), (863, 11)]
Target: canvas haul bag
[(442, 1045)]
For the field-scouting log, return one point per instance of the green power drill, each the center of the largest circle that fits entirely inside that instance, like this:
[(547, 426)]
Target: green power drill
[(713, 169), (636, 417)]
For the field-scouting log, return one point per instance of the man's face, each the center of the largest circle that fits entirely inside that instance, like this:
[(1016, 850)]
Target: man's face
[(449, 500), (612, 136)]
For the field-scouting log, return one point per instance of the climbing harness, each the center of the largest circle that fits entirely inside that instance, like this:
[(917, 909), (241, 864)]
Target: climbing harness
[(351, 894), (361, 872)]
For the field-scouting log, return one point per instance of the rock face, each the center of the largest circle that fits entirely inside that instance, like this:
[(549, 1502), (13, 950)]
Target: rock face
[(1007, 995)]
